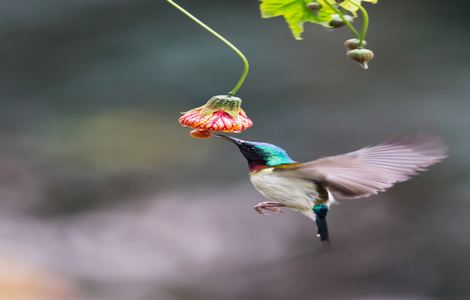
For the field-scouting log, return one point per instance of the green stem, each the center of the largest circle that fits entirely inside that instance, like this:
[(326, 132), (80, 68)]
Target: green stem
[(365, 22), (341, 15), (226, 42)]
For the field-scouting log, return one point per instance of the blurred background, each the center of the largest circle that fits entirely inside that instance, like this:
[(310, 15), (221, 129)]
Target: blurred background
[(104, 196)]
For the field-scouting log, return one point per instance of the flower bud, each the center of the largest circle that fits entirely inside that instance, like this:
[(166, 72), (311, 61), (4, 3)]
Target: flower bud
[(337, 22), (314, 6), (352, 44), (362, 56)]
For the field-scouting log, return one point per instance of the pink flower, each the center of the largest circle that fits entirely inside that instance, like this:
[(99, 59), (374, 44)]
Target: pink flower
[(220, 113)]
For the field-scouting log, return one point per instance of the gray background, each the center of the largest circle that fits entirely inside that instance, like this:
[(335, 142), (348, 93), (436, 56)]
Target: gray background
[(102, 191)]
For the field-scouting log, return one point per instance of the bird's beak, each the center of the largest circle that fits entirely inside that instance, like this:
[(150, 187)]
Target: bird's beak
[(236, 141)]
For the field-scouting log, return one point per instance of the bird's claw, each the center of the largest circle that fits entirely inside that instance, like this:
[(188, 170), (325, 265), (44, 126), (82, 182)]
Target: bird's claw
[(268, 208)]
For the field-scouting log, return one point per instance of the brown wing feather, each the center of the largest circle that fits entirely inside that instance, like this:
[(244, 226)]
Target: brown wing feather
[(374, 169)]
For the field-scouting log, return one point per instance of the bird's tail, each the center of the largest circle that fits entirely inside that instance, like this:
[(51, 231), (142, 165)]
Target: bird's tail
[(322, 227)]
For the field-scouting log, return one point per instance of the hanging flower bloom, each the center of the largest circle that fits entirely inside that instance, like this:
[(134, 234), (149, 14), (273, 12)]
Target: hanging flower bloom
[(220, 113)]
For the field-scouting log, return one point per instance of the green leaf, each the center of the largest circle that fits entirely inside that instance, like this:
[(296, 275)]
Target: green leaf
[(349, 6), (296, 13)]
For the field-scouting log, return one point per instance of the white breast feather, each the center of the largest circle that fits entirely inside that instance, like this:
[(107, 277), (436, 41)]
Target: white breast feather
[(295, 193)]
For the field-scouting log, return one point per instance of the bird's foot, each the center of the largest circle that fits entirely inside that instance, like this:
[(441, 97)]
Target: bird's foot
[(269, 208)]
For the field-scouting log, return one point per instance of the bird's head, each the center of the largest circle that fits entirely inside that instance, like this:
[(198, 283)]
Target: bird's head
[(260, 154)]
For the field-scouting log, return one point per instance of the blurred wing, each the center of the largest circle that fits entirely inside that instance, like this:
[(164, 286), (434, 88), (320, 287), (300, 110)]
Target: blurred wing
[(371, 170)]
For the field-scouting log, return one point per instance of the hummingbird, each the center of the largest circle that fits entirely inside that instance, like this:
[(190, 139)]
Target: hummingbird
[(312, 187)]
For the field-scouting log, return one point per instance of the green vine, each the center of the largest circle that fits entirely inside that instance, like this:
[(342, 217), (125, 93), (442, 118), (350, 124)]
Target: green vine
[(365, 23), (246, 65)]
